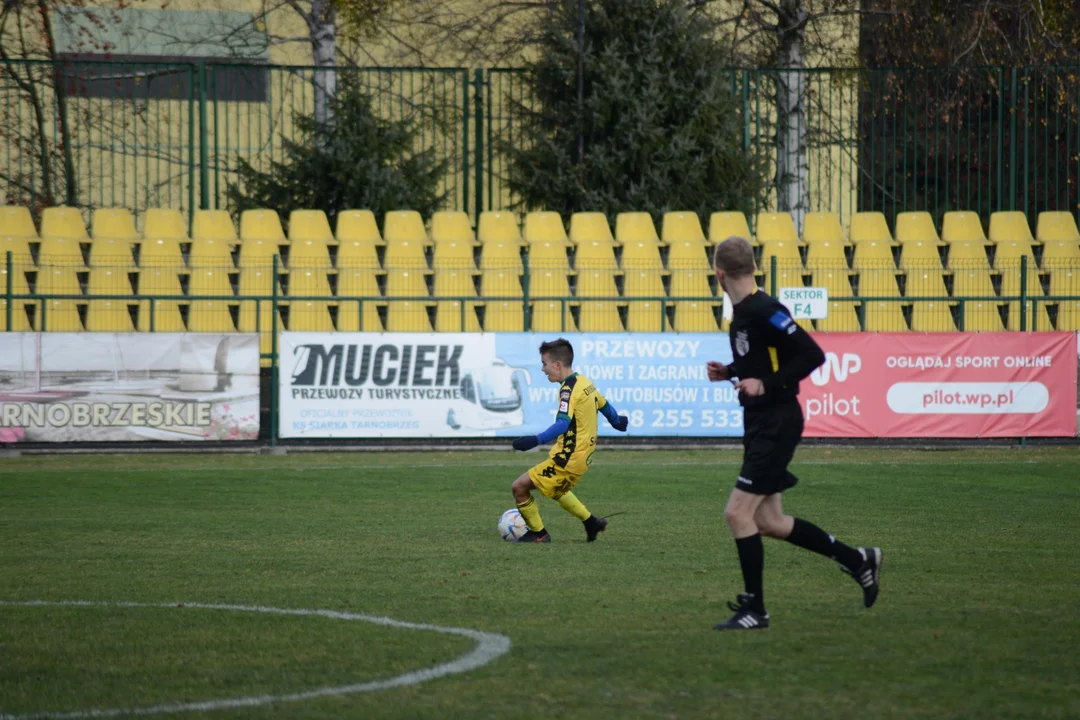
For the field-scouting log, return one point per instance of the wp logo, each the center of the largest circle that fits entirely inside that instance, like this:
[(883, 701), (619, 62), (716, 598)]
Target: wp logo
[(836, 367)]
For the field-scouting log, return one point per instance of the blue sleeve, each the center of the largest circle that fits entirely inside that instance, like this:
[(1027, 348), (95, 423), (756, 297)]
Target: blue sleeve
[(557, 428), (610, 413)]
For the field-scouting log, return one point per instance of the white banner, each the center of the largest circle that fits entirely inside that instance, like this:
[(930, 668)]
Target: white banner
[(105, 387)]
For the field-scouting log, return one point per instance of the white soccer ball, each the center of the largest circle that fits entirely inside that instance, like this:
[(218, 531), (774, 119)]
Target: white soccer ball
[(512, 526)]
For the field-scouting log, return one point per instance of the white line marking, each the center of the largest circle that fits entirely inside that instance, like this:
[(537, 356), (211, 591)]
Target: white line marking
[(488, 647)]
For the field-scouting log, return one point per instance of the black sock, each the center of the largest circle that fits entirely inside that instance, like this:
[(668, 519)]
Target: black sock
[(810, 536), (752, 561)]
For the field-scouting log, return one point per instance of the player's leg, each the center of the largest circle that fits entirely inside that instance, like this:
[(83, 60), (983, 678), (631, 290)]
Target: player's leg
[(570, 503), (526, 505), (749, 611)]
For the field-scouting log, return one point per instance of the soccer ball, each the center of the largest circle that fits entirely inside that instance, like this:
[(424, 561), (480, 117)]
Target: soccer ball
[(512, 526)]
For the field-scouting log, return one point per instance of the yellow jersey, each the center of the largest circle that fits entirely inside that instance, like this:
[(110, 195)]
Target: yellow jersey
[(579, 401)]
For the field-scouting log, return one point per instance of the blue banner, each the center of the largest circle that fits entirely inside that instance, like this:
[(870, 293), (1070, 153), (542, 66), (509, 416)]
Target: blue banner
[(657, 380)]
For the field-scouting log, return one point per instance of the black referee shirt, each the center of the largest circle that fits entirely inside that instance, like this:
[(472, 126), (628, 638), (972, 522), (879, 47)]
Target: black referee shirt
[(768, 345)]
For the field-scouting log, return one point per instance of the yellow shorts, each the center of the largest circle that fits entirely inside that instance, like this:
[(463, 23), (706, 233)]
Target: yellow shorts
[(552, 480)]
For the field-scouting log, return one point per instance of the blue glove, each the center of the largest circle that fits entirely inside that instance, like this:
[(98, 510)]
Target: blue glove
[(526, 443), (621, 423)]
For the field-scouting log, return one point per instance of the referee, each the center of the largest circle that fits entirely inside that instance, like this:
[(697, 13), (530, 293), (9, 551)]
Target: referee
[(771, 355)]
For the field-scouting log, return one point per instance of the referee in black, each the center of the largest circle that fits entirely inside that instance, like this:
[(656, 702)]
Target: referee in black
[(771, 355)]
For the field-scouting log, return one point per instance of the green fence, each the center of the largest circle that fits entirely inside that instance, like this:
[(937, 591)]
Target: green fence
[(138, 135)]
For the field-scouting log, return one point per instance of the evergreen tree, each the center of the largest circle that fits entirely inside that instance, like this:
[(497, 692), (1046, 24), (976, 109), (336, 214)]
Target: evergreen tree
[(661, 128), (354, 159)]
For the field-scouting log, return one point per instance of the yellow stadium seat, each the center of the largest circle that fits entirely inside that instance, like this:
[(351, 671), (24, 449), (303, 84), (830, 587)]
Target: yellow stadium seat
[(309, 282), (310, 227), (166, 313), (646, 316), (358, 226), (596, 284), (450, 282), (108, 281), (450, 313), (869, 226), (549, 283), (401, 253), (19, 285), (502, 253), (1008, 254), (681, 226), (1010, 282), (63, 222), (925, 283), (842, 317), (205, 282), (967, 254), (916, 226), (502, 283), (310, 316), (257, 282), (498, 226), (826, 254), (645, 282), (164, 223), (590, 227), (19, 320), (210, 316), (451, 226), (210, 253), (545, 254), (56, 280), (1065, 281), (455, 254), (19, 247), (776, 227), (258, 317), (920, 255), (982, 316), (356, 316), (691, 283), (262, 225), (1010, 227), (835, 281), (160, 281), (688, 255), (884, 316), (256, 253), (785, 251), (1036, 320), (357, 254), (108, 316), (723, 225), (161, 253), (115, 224), (504, 316), (1061, 241), (358, 283), (635, 227), (962, 226), (693, 316), (551, 316), (822, 227), (307, 249), (60, 252), (1068, 315), (407, 316), (875, 255), (404, 226), (786, 277), (640, 254), (107, 252), (1061, 250), (971, 282), (545, 227), (932, 317), (406, 283), (211, 225), (595, 254), (15, 221), (599, 316), (878, 283), (60, 316)]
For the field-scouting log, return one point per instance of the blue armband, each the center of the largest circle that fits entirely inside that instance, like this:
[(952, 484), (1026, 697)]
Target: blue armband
[(557, 428)]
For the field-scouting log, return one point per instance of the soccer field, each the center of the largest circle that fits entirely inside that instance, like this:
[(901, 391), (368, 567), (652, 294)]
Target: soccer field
[(979, 614)]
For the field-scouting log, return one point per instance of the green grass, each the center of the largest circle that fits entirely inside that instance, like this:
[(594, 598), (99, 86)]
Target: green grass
[(979, 614)]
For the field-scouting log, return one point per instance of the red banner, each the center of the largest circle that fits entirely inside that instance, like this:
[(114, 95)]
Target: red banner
[(1005, 384)]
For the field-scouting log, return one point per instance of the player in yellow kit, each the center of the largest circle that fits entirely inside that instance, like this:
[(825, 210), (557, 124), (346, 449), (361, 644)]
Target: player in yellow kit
[(574, 432)]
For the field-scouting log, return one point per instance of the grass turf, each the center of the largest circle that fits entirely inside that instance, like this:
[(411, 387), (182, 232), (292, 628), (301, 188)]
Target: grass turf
[(979, 614)]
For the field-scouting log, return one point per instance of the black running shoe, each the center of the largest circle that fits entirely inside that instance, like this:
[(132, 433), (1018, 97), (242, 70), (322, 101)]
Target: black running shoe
[(531, 537), (593, 527), (868, 574), (745, 617)]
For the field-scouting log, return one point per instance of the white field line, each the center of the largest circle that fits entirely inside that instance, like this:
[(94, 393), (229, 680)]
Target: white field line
[(488, 647)]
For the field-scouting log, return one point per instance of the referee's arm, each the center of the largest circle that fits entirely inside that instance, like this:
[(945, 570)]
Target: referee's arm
[(803, 353)]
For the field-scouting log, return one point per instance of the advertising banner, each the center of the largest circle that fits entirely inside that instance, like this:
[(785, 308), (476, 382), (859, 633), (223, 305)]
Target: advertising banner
[(105, 387), (943, 385), (476, 385)]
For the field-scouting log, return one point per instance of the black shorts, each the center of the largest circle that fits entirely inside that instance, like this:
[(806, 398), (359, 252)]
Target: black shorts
[(770, 435)]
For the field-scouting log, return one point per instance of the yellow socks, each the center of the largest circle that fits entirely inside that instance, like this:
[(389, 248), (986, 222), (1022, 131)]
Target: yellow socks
[(573, 506), (531, 513)]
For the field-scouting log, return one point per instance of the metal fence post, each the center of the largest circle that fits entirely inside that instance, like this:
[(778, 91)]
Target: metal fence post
[(478, 163), (204, 150), (465, 141), (1023, 293), (1012, 139), (772, 275), (7, 290), (274, 354), (191, 147), (527, 314)]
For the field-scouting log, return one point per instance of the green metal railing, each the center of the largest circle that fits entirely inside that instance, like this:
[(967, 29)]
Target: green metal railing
[(141, 135)]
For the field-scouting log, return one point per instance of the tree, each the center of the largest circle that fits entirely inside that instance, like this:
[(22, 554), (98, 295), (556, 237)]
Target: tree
[(351, 159), (658, 125)]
